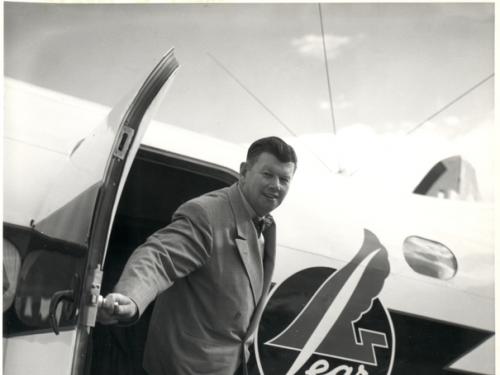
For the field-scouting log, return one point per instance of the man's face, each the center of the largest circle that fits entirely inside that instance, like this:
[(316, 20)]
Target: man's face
[(265, 183)]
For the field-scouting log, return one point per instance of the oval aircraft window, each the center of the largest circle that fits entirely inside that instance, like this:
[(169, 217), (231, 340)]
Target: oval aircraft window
[(429, 258)]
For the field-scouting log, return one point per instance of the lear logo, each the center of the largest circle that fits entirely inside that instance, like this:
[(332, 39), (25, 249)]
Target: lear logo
[(326, 322)]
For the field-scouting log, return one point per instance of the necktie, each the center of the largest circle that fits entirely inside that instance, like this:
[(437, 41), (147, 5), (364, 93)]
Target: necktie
[(262, 224)]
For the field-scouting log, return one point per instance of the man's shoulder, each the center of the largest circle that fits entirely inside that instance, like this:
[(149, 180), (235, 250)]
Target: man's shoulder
[(213, 201), (215, 197)]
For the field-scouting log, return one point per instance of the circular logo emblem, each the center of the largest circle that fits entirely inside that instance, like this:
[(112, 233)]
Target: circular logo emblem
[(322, 321)]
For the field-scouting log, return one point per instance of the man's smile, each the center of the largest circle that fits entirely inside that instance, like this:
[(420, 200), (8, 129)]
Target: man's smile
[(271, 196)]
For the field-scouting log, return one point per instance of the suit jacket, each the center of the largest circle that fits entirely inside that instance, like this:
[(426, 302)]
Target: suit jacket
[(211, 284)]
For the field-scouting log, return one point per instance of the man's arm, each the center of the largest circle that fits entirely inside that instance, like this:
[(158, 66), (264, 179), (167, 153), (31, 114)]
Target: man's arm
[(172, 252)]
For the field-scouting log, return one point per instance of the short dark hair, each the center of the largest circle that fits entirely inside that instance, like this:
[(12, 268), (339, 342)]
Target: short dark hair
[(275, 146)]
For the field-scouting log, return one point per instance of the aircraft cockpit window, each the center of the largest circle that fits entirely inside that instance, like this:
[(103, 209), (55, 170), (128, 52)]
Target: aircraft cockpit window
[(429, 258)]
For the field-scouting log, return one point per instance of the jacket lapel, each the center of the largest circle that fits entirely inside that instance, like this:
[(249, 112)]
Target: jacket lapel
[(246, 243), (252, 264), (269, 260)]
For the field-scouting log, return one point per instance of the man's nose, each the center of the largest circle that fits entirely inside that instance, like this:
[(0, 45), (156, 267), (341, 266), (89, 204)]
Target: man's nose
[(275, 183)]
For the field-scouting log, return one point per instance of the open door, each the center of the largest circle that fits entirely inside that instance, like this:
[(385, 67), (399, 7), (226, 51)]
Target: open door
[(53, 269)]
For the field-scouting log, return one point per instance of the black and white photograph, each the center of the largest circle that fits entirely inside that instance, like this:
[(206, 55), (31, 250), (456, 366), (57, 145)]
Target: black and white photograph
[(228, 188)]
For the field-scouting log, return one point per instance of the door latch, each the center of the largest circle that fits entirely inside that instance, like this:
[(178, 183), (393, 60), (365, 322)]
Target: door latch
[(89, 313)]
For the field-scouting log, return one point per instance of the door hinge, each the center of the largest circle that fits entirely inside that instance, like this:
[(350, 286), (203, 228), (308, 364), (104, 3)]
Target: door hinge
[(124, 141), (89, 313)]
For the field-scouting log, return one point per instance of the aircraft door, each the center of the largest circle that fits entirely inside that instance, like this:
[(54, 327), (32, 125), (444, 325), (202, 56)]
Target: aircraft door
[(53, 269)]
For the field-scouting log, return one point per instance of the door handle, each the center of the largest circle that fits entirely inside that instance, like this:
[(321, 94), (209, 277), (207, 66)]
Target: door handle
[(68, 295), (57, 297)]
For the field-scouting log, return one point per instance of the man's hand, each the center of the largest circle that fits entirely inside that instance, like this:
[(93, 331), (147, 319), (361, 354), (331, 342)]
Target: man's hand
[(116, 308)]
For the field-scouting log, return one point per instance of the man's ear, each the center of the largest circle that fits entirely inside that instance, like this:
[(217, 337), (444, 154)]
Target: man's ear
[(243, 169)]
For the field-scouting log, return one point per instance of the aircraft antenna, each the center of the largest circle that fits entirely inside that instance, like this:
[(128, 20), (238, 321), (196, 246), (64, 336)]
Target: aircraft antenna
[(328, 81), (326, 69), (443, 108), (268, 110)]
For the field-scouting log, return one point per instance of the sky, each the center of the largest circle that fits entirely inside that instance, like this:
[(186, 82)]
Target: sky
[(252, 70)]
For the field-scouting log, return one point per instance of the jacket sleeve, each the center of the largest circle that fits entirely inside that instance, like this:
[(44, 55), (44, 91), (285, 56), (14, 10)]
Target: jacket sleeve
[(170, 253)]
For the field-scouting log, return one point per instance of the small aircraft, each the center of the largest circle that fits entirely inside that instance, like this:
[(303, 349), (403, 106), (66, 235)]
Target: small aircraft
[(366, 282)]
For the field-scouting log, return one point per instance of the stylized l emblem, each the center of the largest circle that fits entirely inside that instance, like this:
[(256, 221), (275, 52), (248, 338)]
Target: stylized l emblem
[(325, 326)]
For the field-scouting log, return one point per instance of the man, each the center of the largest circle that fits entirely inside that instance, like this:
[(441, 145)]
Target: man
[(209, 271)]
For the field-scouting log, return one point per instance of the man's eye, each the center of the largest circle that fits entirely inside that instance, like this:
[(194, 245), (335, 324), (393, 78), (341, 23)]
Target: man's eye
[(285, 181)]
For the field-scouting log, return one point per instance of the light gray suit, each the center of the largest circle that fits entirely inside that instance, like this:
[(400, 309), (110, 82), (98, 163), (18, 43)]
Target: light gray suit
[(202, 322)]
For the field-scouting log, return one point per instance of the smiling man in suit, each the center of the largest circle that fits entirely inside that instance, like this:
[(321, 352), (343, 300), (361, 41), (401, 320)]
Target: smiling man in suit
[(209, 270)]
